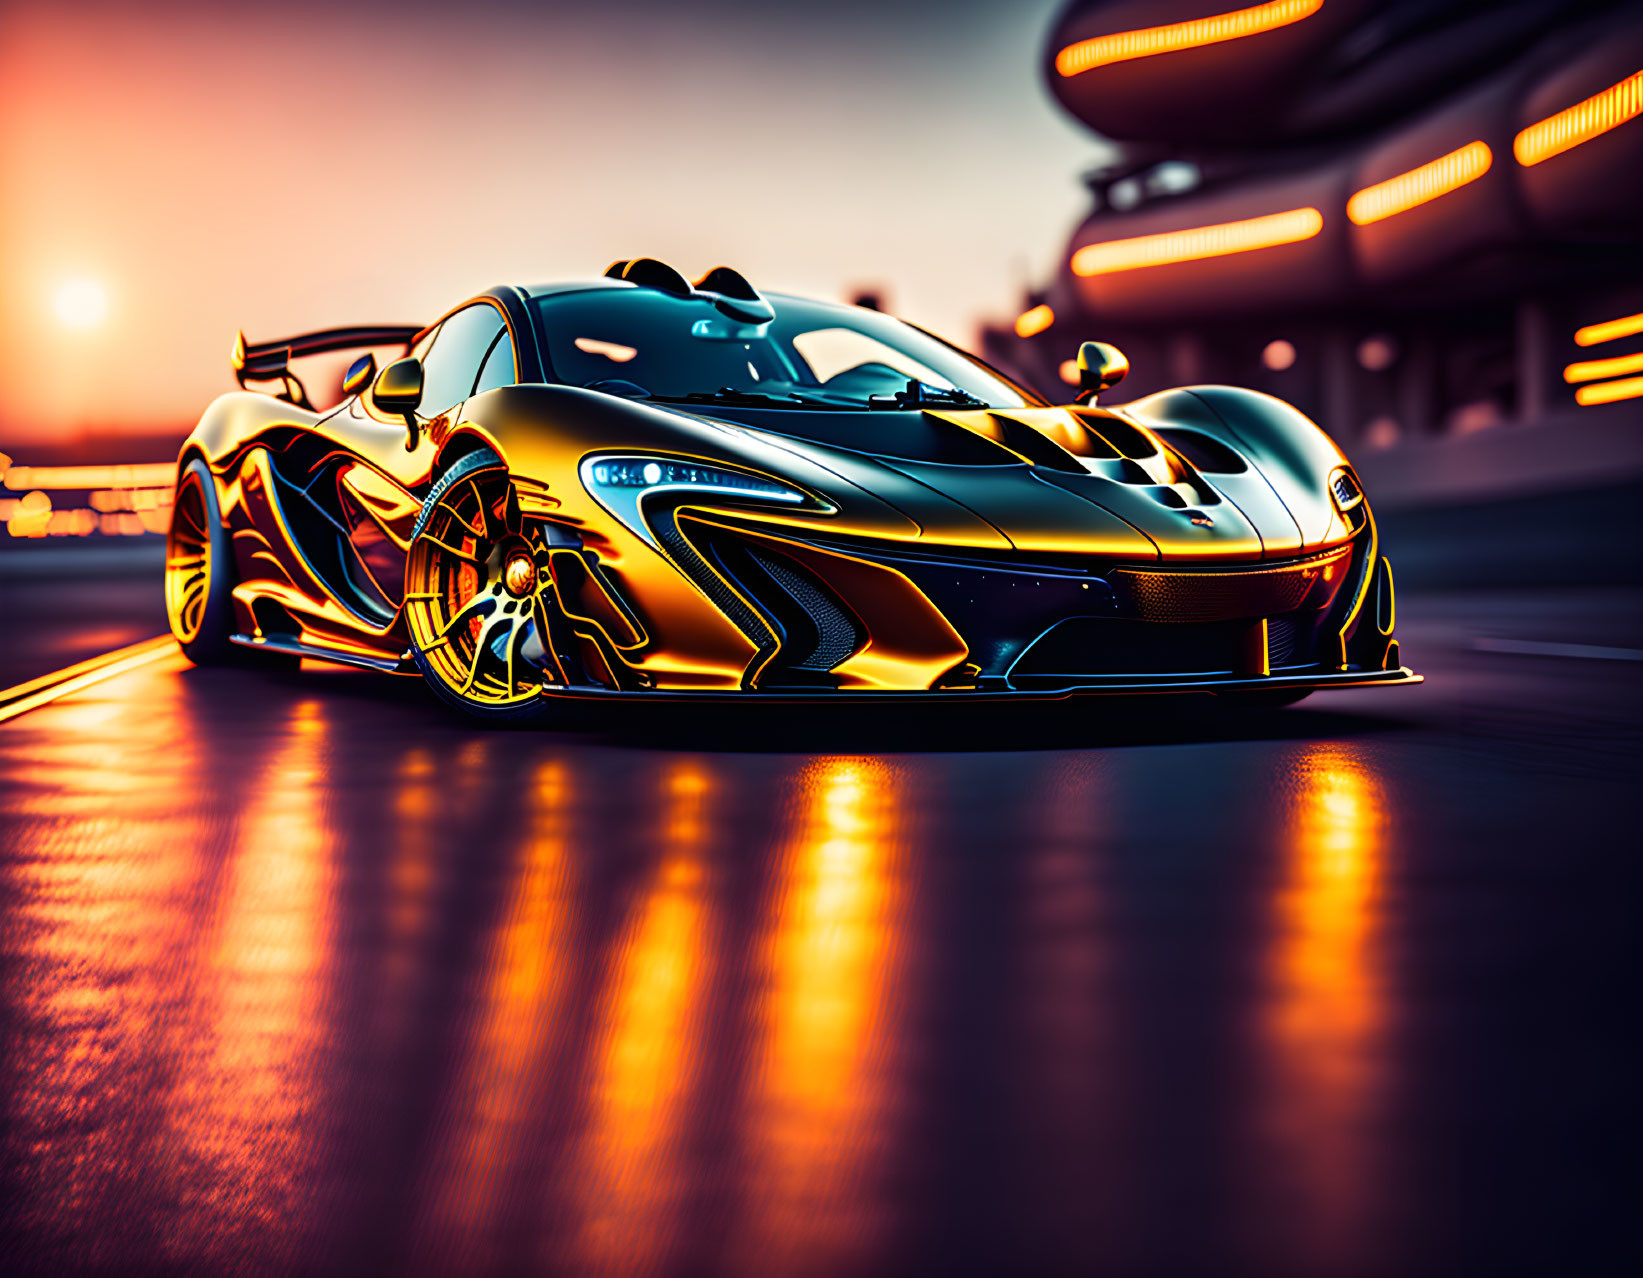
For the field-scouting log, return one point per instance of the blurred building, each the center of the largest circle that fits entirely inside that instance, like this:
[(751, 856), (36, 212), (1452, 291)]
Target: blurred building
[(1411, 218)]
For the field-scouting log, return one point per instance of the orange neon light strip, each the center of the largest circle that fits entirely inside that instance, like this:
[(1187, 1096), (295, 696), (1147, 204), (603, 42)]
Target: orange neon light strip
[(1590, 370), (1609, 330), (1419, 186), (1608, 392), (1122, 46), (1198, 242), (1580, 123), (1031, 323), (38, 692), (143, 475)]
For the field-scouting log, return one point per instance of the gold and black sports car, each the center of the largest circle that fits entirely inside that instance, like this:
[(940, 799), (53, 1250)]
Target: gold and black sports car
[(640, 487)]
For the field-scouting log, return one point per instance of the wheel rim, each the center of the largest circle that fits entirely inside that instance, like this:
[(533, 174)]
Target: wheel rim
[(472, 585), (188, 560)]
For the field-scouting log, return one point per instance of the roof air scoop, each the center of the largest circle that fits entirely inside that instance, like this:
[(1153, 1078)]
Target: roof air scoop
[(733, 295), (647, 272), (727, 289)]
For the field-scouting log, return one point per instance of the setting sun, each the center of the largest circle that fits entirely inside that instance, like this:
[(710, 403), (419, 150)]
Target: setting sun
[(80, 303)]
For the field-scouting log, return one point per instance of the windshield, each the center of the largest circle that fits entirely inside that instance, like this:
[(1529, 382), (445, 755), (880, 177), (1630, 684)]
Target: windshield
[(648, 344)]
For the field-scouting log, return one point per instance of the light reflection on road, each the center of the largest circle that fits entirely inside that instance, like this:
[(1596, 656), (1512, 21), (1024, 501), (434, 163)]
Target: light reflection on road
[(632, 1178), (313, 981), (517, 1026), (244, 1139), (1324, 1021), (104, 860), (825, 1085)]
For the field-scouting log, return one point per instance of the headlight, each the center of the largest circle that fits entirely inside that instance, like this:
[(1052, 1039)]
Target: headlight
[(620, 483), (599, 473)]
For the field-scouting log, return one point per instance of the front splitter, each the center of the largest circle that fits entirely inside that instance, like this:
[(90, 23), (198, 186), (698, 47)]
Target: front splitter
[(1129, 687)]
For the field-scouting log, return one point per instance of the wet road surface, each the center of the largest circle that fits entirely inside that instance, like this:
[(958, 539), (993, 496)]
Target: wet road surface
[(301, 975)]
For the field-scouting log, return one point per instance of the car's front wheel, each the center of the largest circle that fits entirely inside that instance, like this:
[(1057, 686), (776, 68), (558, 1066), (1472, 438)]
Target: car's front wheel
[(472, 584)]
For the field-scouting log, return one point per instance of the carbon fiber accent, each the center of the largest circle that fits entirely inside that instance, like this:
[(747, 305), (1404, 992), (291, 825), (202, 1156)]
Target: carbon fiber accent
[(1282, 639), (836, 633), (713, 586), (1227, 595)]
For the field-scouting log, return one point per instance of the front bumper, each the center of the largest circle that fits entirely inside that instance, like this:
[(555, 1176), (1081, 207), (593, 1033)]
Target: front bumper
[(971, 623)]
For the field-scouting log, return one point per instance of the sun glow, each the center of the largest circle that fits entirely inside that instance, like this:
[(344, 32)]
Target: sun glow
[(80, 303)]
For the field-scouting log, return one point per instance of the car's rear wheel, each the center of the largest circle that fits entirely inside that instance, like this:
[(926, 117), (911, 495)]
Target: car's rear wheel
[(199, 578), (198, 573), (472, 581)]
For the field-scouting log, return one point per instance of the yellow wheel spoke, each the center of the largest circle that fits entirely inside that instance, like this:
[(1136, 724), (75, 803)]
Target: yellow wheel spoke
[(462, 519), (455, 550), (467, 612), (487, 669)]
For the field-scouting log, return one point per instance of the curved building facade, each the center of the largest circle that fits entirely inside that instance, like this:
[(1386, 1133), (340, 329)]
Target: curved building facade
[(1407, 217)]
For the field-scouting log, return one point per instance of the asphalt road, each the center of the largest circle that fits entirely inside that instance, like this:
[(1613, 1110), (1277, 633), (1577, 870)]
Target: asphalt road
[(301, 975)]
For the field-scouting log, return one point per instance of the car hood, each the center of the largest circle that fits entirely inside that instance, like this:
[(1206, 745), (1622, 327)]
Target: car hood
[(1040, 480)]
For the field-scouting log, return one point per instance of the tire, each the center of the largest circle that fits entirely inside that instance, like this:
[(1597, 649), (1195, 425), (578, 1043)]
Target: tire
[(199, 572), (460, 602)]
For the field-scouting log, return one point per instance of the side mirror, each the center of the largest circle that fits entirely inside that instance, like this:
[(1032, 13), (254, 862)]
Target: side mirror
[(399, 391), (361, 371), (1100, 367)]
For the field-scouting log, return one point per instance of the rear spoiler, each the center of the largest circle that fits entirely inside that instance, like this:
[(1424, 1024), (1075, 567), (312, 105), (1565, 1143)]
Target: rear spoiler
[(270, 361)]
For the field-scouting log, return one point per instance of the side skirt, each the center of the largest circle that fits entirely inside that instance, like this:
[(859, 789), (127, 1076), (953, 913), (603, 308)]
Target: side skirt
[(320, 652)]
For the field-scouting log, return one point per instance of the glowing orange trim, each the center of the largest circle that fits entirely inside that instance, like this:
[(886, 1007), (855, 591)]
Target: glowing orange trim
[(1591, 369), (1121, 46), (1608, 392), (1198, 242), (1033, 322), (1419, 186), (1609, 330), (1580, 123)]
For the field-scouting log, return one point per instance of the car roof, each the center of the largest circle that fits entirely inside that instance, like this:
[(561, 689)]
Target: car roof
[(532, 291)]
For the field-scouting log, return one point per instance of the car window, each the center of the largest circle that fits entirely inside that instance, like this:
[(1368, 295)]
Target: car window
[(641, 342), (451, 364), (498, 369)]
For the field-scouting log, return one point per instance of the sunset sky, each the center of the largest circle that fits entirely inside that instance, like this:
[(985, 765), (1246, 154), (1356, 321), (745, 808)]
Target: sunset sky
[(172, 174)]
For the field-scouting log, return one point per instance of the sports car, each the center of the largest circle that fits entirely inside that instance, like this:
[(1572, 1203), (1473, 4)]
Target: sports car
[(639, 487)]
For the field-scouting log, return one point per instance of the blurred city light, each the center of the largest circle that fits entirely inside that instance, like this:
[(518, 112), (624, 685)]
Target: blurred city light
[(1121, 46), (1031, 323), (1278, 355), (1198, 242), (1609, 330), (145, 475), (1580, 123), (1419, 186), (1609, 392), (1592, 369)]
